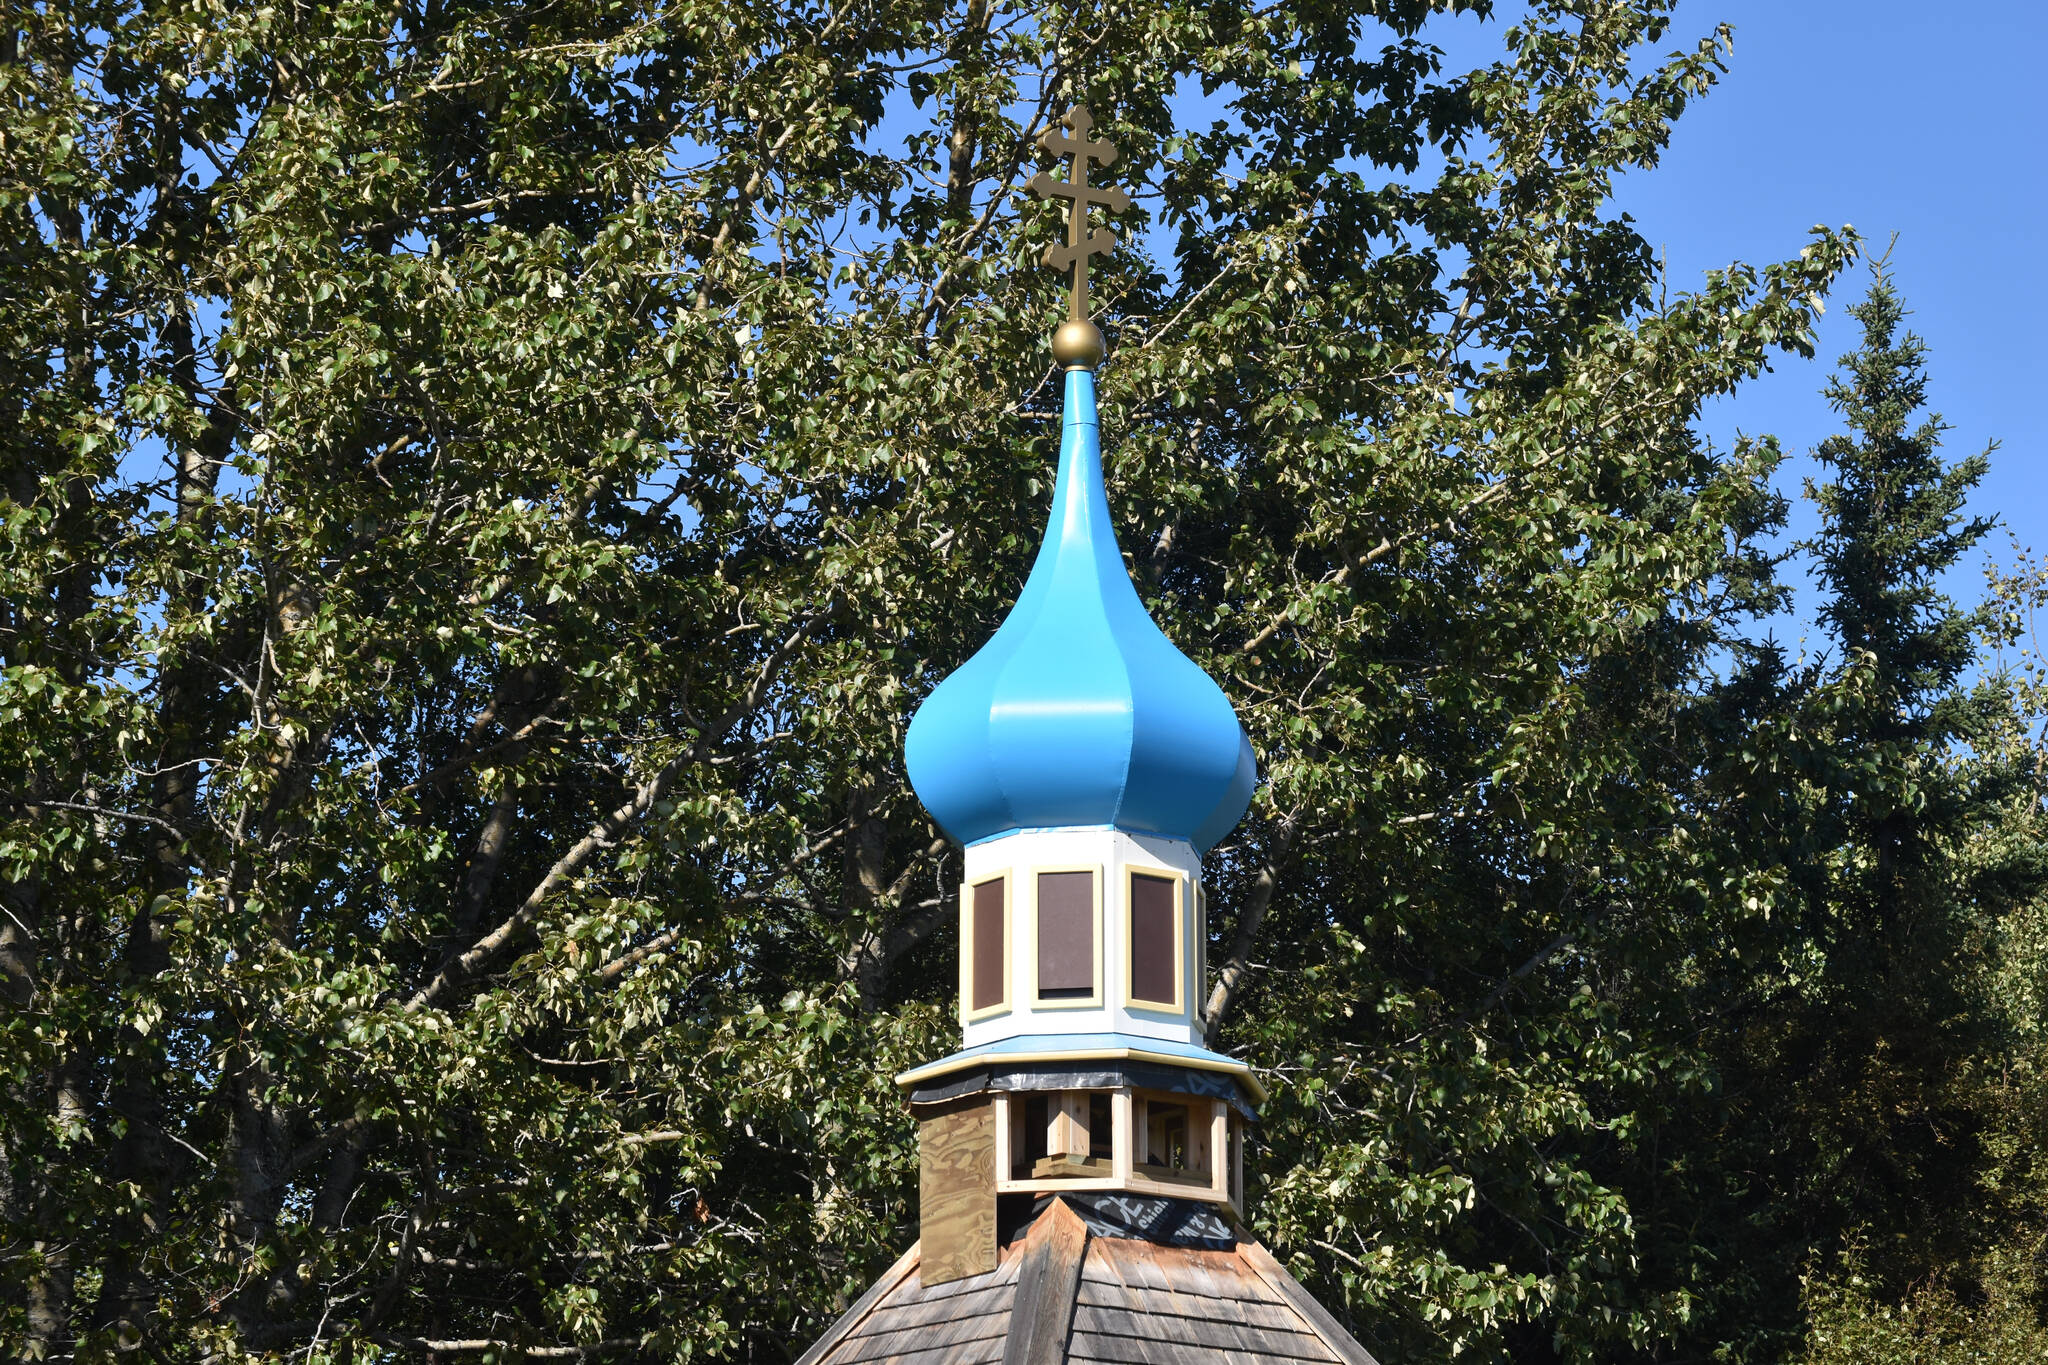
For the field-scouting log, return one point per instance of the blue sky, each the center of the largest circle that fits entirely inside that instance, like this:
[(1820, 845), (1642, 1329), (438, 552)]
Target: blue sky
[(1925, 120)]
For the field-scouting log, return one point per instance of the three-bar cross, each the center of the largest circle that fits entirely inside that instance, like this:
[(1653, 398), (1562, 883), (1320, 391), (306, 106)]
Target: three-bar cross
[(1081, 243)]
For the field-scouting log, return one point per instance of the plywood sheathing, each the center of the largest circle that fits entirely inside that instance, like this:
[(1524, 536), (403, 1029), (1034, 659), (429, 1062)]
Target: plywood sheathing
[(956, 1146)]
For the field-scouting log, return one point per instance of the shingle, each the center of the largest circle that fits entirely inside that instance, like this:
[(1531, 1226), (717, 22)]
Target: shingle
[(1133, 1303), (1095, 1300)]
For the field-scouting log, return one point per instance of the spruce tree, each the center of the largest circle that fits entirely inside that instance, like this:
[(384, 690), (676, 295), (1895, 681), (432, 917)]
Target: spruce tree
[(1893, 524), (1904, 795), (1856, 1050)]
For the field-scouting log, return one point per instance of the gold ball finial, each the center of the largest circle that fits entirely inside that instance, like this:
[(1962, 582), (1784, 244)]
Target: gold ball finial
[(1077, 345)]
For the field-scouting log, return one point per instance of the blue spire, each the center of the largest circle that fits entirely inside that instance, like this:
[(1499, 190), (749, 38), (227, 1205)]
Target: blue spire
[(1079, 711)]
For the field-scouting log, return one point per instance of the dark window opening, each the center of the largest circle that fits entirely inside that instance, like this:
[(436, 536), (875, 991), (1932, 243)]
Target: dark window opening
[(1154, 938), (1066, 935), (1027, 1135), (989, 988), (1099, 1127), (1166, 1136)]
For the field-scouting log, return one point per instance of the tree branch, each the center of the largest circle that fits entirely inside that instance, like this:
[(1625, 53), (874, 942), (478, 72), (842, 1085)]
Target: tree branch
[(1239, 963), (601, 835)]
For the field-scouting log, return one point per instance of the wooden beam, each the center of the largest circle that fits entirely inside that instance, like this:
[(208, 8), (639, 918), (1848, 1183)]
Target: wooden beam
[(1237, 1169), (1067, 1132), (1002, 1120), (1105, 1185), (1123, 1133), (1048, 1282), (1219, 1150)]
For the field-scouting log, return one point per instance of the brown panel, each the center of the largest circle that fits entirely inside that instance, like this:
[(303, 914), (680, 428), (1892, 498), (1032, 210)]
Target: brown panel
[(988, 945), (1152, 939), (956, 1148), (1066, 933)]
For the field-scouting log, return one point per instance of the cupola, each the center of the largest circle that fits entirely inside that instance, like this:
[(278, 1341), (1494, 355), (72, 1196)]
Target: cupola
[(1081, 1157), (1086, 764)]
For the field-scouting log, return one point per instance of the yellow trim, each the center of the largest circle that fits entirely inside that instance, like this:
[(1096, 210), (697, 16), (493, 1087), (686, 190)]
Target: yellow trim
[(1178, 1006), (968, 1014), (1088, 1002), (945, 1066)]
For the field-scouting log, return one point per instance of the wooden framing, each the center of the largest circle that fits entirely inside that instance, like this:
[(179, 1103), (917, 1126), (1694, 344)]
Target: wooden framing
[(969, 1014), (1178, 1006), (1067, 1127), (1000, 1106), (1093, 1000), (1122, 1108), (1219, 1151), (1237, 1140), (1066, 1123), (1211, 1149), (1198, 1134)]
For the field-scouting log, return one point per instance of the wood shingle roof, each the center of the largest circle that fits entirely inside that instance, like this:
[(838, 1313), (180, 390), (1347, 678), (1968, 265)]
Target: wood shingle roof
[(1060, 1293)]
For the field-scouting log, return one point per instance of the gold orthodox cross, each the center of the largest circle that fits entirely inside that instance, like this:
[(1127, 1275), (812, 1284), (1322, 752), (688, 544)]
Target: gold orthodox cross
[(1081, 243)]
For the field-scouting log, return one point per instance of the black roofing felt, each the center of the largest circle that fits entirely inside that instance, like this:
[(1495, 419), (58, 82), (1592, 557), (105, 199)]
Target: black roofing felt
[(1019, 1076)]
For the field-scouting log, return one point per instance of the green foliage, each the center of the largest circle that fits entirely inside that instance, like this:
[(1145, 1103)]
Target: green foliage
[(486, 485), (1932, 1326)]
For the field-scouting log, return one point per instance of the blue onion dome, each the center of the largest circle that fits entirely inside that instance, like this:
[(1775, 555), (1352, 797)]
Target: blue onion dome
[(1079, 711)]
